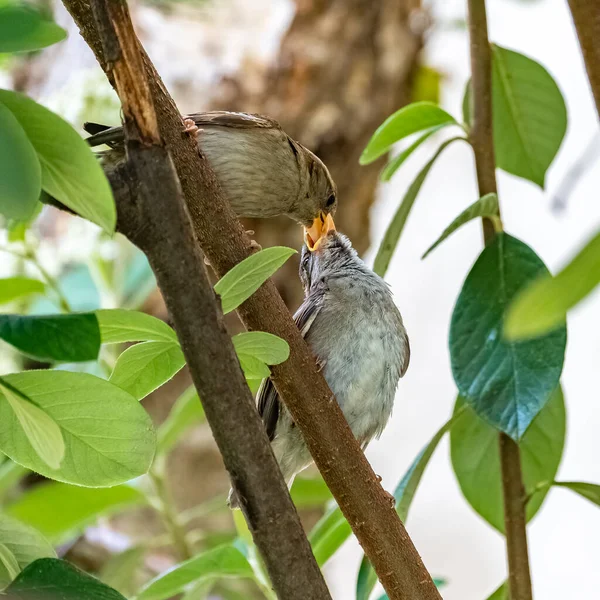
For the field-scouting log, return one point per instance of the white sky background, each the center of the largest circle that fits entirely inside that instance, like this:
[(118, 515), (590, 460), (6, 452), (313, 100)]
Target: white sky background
[(453, 540)]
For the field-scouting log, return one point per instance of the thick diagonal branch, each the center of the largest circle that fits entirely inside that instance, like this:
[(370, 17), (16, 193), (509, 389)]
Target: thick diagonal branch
[(301, 386), (482, 140)]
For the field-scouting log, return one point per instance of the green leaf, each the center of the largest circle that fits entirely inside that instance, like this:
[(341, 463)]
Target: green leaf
[(145, 367), (310, 493), (64, 338), (252, 367), (542, 306), (12, 288), (330, 532), (486, 206), (396, 227), (109, 438), (506, 383), (476, 460), (224, 561), (395, 163), (246, 277), (529, 115), (53, 579), (266, 347), (10, 475), (20, 170), (23, 29), (404, 495), (426, 85), (9, 567), (186, 412), (404, 122), (42, 432), (70, 171), (60, 511), (24, 543), (119, 571), (500, 594), (118, 326), (590, 491)]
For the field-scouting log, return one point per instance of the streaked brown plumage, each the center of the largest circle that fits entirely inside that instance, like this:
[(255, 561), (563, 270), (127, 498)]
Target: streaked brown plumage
[(263, 172)]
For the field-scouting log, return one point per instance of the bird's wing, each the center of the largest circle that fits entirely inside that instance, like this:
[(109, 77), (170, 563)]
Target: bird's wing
[(267, 397), (404, 366), (232, 119)]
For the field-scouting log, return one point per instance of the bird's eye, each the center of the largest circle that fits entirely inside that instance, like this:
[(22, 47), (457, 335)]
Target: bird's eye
[(330, 201)]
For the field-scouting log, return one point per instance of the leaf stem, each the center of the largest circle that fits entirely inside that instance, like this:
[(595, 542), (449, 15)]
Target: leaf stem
[(481, 138)]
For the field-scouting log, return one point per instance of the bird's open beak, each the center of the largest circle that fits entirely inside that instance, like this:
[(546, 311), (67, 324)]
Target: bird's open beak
[(319, 228)]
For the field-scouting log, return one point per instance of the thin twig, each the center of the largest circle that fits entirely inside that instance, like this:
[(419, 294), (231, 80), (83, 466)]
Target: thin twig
[(482, 140)]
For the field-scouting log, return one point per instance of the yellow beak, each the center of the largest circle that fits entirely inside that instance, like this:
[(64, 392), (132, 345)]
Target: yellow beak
[(318, 230)]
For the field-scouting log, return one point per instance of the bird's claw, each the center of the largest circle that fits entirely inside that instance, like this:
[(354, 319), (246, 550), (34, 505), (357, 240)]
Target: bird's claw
[(190, 126)]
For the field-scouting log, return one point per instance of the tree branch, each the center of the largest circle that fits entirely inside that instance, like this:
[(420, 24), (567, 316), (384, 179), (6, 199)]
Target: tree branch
[(175, 259), (481, 137), (586, 16), (301, 386)]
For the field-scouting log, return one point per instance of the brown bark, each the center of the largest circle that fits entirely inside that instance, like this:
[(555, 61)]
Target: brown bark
[(343, 67), (301, 386), (586, 16)]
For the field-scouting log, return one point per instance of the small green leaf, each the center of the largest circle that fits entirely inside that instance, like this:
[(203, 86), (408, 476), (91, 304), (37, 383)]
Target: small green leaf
[(41, 430), (61, 512), (246, 277), (404, 122), (70, 171), (476, 459), (427, 84), (395, 163), (253, 367), (500, 594), (310, 493), (542, 306), (9, 567), (266, 347), (396, 227), (23, 29), (20, 170), (404, 494), (486, 206), (506, 383), (64, 338), (590, 491), (330, 532), (186, 412), (144, 367), (223, 561), (13, 288), (24, 543), (118, 326), (108, 436), (53, 579)]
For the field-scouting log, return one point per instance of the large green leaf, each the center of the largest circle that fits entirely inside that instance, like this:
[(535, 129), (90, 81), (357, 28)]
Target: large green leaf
[(22, 29), (330, 532), (70, 171), (543, 305), (20, 170), (145, 367), (53, 579), (476, 458), (186, 412), (529, 115), (23, 542), (246, 277), (589, 491), (13, 288), (253, 367), (41, 431), (486, 206), (310, 492), (61, 511), (396, 227), (118, 326), (9, 567), (507, 383), (63, 338), (404, 494), (266, 347), (223, 561), (404, 122), (109, 438)]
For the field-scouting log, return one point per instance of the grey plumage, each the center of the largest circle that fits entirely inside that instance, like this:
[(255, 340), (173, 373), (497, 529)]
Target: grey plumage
[(263, 172), (356, 333)]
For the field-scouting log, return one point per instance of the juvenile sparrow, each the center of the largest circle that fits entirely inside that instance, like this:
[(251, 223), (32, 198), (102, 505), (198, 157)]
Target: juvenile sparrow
[(263, 172), (357, 335)]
